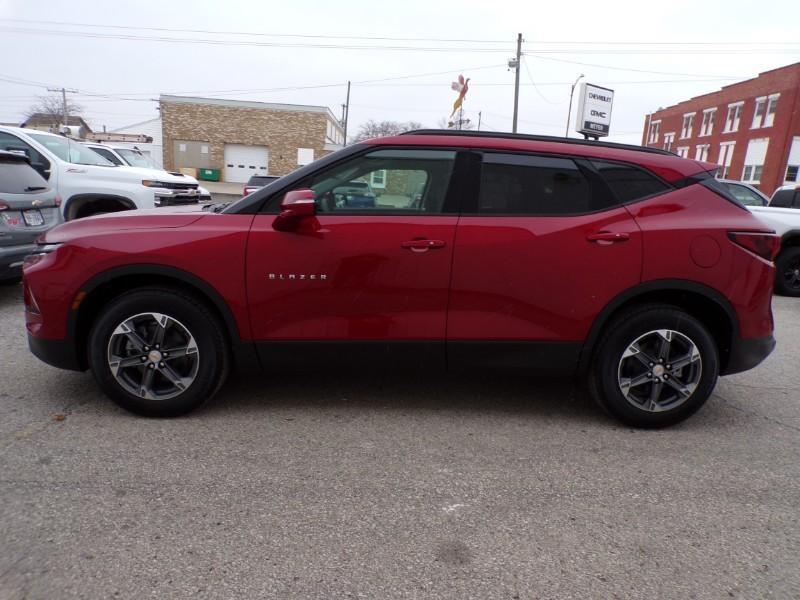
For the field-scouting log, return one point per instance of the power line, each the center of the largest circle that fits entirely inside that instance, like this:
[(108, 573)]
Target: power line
[(535, 87), (575, 62)]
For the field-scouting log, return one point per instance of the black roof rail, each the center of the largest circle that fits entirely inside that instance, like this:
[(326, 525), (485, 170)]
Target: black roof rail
[(535, 138)]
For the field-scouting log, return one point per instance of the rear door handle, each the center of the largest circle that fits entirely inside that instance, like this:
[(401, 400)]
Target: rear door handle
[(609, 237), (422, 245)]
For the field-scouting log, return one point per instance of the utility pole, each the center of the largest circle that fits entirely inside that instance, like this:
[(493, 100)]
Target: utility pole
[(515, 64), (346, 115), (63, 102)]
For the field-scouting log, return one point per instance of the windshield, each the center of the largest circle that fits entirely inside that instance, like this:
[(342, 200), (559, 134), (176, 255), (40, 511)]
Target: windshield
[(136, 159), (71, 151)]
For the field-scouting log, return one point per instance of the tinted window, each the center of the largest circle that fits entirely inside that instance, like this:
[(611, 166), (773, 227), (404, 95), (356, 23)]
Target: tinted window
[(745, 195), (107, 155), (629, 183), (782, 199), (385, 181), (69, 150), (19, 178), (533, 185), (260, 180)]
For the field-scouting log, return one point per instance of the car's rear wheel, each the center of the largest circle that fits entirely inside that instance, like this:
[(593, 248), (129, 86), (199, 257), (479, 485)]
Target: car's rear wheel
[(158, 352), (787, 272), (655, 366)]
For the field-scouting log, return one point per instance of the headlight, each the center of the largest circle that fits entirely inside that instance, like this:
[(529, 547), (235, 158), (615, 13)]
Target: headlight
[(154, 183)]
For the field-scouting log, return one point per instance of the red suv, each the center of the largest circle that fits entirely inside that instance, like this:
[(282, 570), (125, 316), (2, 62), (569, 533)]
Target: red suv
[(631, 267)]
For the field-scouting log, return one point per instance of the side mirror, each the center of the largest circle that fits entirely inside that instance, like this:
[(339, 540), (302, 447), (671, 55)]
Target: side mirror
[(296, 206)]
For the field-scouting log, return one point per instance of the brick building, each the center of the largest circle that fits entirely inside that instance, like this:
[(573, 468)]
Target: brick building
[(751, 129), (244, 138)]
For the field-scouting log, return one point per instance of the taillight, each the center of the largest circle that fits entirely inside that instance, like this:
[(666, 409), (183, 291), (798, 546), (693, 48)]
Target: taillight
[(58, 200), (765, 245), (245, 191), (3, 205)]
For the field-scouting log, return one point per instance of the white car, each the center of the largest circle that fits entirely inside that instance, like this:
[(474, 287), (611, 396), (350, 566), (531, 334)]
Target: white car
[(132, 157), (86, 183), (786, 223)]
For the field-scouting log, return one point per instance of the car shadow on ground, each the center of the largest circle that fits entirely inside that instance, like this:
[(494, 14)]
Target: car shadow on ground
[(457, 393), (10, 293)]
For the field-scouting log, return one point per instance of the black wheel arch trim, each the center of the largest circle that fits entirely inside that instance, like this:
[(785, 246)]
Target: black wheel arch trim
[(243, 351), (664, 285), (791, 234), (97, 196)]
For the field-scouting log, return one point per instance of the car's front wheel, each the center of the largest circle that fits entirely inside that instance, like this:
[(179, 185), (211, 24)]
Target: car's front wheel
[(158, 352), (655, 366)]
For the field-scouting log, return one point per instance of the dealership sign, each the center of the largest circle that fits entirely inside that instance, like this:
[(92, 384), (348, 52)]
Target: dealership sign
[(594, 110)]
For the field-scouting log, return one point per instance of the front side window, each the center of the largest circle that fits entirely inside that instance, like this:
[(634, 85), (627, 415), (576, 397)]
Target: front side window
[(515, 184), (409, 181), (135, 158), (745, 195), (782, 199)]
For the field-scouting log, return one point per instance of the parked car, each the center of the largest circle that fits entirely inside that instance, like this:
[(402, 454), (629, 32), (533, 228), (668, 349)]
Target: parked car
[(787, 196), (87, 183), (786, 223), (631, 268), (28, 208), (354, 194), (132, 157), (745, 193), (256, 182)]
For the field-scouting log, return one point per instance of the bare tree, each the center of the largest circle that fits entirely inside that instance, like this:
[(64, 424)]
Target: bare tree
[(375, 129), (52, 108), (452, 122)]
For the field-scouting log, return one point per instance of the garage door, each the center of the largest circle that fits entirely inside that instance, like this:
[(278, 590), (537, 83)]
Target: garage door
[(242, 162)]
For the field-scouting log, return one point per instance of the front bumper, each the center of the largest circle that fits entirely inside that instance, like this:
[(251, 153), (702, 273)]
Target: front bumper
[(176, 197), (11, 258), (748, 353), (58, 353)]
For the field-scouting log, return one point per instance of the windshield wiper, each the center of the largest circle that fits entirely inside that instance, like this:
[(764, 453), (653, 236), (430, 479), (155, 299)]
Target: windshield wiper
[(33, 188)]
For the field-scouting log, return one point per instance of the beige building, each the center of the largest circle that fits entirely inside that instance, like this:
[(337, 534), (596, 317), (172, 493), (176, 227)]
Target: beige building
[(242, 138)]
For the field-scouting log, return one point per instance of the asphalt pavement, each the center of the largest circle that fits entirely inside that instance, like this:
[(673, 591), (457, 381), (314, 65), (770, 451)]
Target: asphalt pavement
[(396, 486)]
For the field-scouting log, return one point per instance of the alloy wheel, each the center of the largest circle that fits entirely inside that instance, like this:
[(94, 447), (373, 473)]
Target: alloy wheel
[(153, 356), (660, 370)]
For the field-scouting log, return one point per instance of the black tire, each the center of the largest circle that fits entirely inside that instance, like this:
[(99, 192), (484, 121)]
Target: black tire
[(787, 272), (187, 314), (606, 377)]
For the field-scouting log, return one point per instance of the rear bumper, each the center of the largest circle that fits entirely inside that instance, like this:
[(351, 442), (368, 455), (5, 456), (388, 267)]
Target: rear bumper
[(58, 353), (748, 353), (11, 258)]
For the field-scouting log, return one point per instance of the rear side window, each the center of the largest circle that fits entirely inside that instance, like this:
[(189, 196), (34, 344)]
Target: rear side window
[(514, 184), (629, 183), (783, 199), (19, 178)]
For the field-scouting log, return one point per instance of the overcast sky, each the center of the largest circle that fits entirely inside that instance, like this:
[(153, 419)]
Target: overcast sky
[(707, 45)]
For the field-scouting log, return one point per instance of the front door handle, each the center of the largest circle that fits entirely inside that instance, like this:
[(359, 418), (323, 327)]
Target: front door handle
[(608, 237), (422, 245)]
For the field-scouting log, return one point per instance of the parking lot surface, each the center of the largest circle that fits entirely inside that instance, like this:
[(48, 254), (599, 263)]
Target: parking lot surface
[(394, 486)]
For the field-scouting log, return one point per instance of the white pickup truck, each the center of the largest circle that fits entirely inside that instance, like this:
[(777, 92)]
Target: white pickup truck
[(786, 223), (86, 183)]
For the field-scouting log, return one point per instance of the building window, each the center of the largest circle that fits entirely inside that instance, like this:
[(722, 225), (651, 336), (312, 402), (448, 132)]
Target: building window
[(682, 151), (766, 107), (725, 159), (652, 138), (701, 152), (793, 164), (305, 156), (734, 115), (791, 173), (669, 138), (688, 124), (772, 108), (754, 160), (707, 126), (377, 179)]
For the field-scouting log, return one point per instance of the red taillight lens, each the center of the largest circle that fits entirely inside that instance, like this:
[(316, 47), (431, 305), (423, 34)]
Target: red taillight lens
[(245, 191), (765, 245)]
